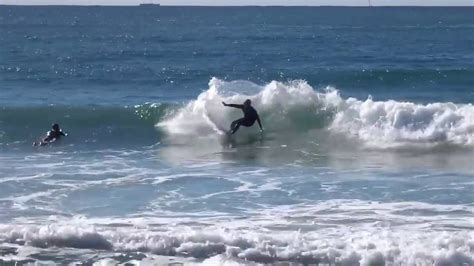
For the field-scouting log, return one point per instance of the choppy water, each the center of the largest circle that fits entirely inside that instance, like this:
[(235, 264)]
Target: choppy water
[(366, 157)]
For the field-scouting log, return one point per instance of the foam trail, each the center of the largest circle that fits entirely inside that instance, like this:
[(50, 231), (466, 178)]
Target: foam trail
[(296, 107)]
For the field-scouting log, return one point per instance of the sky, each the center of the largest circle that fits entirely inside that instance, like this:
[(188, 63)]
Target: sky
[(246, 2)]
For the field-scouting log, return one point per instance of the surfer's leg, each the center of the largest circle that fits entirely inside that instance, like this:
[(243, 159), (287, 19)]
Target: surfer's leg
[(235, 125), (235, 128), (232, 125)]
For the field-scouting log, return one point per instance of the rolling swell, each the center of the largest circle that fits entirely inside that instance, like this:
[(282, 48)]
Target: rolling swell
[(89, 125)]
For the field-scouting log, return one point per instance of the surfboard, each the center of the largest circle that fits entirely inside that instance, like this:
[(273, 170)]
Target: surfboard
[(41, 143)]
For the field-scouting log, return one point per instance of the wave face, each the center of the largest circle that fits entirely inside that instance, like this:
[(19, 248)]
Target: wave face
[(296, 107), (87, 125)]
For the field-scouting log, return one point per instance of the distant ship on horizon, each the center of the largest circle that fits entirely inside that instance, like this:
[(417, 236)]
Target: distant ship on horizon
[(150, 4)]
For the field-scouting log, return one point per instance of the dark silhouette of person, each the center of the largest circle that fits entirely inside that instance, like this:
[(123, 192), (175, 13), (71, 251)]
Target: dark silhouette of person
[(250, 115), (53, 135)]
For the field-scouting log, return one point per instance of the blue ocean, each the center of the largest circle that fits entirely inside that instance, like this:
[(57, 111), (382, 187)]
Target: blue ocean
[(366, 157)]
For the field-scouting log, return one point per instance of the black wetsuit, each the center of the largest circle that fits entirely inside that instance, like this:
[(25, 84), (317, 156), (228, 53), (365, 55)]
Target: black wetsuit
[(250, 116)]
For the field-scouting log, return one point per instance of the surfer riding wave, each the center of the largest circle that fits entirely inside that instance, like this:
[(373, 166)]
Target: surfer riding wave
[(250, 116)]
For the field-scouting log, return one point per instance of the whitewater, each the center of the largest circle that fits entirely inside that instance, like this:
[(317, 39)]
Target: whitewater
[(296, 107)]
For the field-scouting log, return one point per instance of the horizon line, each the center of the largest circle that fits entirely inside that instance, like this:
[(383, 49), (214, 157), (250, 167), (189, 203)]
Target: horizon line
[(161, 5)]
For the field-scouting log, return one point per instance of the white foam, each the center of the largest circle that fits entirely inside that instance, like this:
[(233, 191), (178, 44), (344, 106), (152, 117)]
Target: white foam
[(393, 123), (376, 247), (277, 102), (297, 107), (322, 233)]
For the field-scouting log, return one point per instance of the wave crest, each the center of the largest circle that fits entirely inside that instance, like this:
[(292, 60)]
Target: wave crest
[(392, 123), (297, 107)]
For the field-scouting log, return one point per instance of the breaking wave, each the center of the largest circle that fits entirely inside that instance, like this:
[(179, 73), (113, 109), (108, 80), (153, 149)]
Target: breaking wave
[(297, 107), (288, 110)]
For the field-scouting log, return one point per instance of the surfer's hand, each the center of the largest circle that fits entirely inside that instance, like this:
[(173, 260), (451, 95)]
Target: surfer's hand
[(224, 103)]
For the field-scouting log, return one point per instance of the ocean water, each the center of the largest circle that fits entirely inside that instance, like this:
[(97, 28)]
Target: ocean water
[(366, 158)]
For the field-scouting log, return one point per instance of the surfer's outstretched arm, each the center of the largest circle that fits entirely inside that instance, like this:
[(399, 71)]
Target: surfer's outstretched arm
[(239, 106)]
